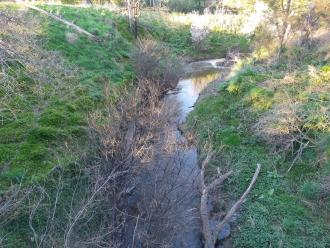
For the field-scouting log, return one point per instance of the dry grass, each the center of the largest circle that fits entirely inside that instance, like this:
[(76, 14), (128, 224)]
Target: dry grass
[(21, 56), (280, 127)]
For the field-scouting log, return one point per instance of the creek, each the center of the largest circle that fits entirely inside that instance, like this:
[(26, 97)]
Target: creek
[(168, 188), (199, 75)]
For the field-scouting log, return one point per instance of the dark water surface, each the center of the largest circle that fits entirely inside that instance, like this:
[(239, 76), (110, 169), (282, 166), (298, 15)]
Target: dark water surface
[(187, 214), (168, 188)]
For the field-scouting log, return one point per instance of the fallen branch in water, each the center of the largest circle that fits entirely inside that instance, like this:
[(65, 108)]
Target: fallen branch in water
[(70, 24), (210, 237)]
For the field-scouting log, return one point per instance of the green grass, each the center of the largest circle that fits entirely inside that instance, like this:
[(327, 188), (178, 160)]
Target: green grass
[(99, 63), (177, 36), (44, 123), (284, 209)]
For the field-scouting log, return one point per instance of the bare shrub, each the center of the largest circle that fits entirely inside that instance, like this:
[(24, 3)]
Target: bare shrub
[(134, 125), (279, 126), (131, 135), (153, 62)]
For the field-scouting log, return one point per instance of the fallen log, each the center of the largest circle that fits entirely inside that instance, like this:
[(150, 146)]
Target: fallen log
[(210, 237)]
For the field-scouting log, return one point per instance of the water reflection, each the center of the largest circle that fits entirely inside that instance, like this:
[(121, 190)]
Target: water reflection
[(190, 88)]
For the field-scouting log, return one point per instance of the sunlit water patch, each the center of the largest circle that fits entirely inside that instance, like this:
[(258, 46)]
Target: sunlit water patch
[(189, 90)]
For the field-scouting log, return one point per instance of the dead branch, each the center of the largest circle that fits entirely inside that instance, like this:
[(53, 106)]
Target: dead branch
[(237, 205), (208, 235), (83, 209), (70, 24)]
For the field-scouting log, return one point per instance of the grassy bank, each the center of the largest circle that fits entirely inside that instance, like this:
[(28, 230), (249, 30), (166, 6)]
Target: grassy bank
[(175, 31), (276, 115), (53, 78)]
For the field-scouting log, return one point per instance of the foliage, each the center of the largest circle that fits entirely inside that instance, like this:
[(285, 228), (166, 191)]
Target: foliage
[(184, 5)]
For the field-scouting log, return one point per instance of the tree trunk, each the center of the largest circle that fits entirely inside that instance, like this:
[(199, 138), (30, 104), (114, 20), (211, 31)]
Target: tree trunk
[(286, 28)]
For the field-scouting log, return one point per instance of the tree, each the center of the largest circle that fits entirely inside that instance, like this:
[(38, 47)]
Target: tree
[(288, 16), (133, 12)]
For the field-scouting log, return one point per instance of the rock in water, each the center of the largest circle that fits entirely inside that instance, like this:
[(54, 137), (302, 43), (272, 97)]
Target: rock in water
[(224, 233)]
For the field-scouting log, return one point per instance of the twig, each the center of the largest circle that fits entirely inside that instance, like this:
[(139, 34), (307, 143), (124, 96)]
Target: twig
[(136, 225), (302, 147), (90, 200)]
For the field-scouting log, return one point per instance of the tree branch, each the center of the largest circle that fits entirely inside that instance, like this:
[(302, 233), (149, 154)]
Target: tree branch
[(70, 24), (237, 205)]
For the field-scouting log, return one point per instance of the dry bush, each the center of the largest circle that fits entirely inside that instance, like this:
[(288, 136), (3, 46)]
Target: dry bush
[(292, 126), (153, 62), (138, 135), (280, 127), (135, 125), (293, 120)]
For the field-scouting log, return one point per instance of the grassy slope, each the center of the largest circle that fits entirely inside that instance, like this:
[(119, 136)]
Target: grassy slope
[(50, 127), (37, 139), (162, 28), (283, 210)]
